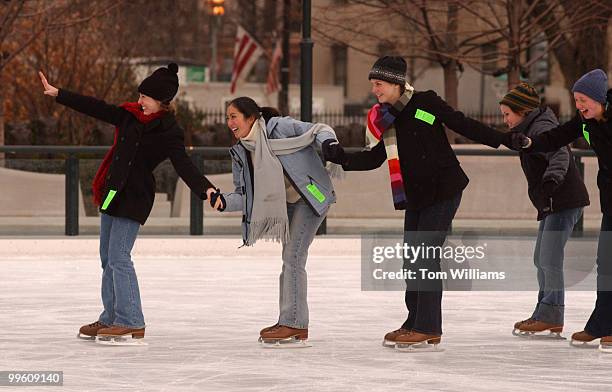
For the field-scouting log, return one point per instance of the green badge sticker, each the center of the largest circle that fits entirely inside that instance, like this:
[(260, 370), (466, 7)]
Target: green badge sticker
[(425, 116), (312, 188), (109, 198), (585, 133)]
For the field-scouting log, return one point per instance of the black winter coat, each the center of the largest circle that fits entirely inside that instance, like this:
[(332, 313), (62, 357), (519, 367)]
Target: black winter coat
[(430, 169), (139, 149), (557, 166), (599, 136)]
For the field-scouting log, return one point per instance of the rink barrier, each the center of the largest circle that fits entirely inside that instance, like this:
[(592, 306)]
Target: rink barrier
[(73, 154)]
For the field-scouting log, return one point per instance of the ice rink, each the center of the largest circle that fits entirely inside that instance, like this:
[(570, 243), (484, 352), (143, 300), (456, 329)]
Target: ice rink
[(205, 301)]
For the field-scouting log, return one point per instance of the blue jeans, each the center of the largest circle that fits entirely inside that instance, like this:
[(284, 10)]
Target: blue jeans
[(303, 225), (120, 293), (423, 298), (553, 233)]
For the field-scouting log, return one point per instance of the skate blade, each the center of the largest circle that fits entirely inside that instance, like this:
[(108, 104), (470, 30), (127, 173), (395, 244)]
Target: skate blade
[(388, 343), (85, 337), (284, 343), (583, 345), (543, 335), (418, 347), (605, 348), (120, 341)]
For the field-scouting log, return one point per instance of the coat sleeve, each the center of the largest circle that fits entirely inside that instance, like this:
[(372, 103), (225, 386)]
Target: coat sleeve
[(458, 122), (301, 127), (557, 161), (366, 160), (233, 200), (557, 137), (91, 106), (196, 181)]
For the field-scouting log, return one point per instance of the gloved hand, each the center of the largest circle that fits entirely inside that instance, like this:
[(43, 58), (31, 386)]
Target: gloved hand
[(333, 152), (516, 141), (549, 187), (217, 201)]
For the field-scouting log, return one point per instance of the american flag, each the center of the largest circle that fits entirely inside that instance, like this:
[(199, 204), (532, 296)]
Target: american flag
[(272, 85), (246, 53)]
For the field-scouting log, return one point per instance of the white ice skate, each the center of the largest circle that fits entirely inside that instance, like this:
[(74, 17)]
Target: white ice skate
[(120, 341), (291, 342)]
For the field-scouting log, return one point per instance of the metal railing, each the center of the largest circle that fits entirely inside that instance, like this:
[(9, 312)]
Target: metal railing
[(73, 154)]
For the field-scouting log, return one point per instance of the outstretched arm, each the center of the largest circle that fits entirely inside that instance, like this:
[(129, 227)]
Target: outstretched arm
[(458, 122), (87, 105), (366, 160), (198, 183), (557, 137)]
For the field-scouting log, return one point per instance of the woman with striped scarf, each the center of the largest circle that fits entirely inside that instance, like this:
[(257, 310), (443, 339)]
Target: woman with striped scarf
[(407, 129)]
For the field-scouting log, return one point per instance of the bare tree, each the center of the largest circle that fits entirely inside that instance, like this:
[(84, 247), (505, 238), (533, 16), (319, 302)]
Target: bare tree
[(453, 33), (581, 50), (25, 21)]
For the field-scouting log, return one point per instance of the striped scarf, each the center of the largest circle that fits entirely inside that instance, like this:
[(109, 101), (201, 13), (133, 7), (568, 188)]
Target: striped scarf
[(380, 126)]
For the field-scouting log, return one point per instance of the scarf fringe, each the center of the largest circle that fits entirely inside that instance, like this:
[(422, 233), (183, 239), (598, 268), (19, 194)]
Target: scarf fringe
[(274, 229)]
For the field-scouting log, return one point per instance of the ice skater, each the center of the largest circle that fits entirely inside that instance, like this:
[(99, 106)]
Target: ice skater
[(284, 193), (558, 193), (406, 129), (146, 134), (593, 121)]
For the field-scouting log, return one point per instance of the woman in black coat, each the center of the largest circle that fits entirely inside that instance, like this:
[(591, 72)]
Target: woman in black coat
[(426, 181), (124, 188), (593, 121)]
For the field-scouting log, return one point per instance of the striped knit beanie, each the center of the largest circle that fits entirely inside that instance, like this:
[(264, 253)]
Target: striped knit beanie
[(521, 98), (391, 69)]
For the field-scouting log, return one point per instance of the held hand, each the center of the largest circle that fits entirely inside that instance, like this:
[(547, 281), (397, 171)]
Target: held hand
[(217, 201), (333, 152), (209, 193), (516, 141), (49, 90)]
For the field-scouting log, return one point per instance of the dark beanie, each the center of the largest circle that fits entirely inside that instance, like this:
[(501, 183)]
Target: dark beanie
[(391, 69), (162, 84), (593, 84), (521, 98)]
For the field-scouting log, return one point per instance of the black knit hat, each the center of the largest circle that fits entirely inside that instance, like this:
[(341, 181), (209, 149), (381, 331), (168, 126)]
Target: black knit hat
[(391, 69), (162, 84)]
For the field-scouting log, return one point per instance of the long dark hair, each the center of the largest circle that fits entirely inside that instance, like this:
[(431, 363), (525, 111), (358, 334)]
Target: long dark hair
[(249, 108)]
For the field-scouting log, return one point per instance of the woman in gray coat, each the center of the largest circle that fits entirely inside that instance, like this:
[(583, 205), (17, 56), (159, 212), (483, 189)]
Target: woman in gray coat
[(284, 193), (557, 191)]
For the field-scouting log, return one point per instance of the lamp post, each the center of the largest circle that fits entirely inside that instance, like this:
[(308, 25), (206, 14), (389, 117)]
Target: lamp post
[(217, 10), (306, 66)]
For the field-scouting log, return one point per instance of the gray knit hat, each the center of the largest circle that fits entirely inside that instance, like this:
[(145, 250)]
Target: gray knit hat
[(391, 69), (593, 84)]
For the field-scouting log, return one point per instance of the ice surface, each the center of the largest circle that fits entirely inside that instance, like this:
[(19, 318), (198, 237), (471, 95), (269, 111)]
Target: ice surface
[(205, 301)]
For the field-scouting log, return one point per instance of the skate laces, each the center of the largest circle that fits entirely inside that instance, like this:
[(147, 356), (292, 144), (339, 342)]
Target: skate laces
[(96, 324)]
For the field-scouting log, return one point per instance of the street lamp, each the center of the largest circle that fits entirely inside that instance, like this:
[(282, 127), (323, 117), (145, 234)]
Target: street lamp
[(216, 10)]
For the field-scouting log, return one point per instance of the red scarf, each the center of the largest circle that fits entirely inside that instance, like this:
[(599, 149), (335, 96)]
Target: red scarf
[(100, 178)]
